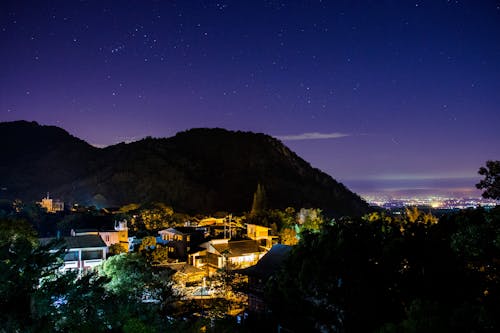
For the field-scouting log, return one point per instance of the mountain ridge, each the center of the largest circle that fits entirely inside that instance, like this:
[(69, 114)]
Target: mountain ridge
[(197, 170)]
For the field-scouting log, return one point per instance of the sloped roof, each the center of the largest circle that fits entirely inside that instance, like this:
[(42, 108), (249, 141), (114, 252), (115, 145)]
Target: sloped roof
[(77, 231), (171, 231), (181, 230), (269, 263), (184, 268), (84, 241), (77, 242), (238, 248)]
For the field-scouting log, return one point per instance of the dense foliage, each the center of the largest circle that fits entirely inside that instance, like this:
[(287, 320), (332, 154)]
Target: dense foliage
[(36, 297), (22, 265), (491, 182), (406, 274)]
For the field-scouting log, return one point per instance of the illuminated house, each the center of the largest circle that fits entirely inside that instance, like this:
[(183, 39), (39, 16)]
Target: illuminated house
[(219, 227), (261, 234), (118, 235), (181, 240), (52, 205), (224, 253), (82, 252)]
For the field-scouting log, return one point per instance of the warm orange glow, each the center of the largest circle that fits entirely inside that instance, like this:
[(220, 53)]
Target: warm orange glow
[(435, 204)]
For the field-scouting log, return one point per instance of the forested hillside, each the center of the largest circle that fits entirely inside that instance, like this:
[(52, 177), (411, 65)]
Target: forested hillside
[(199, 170)]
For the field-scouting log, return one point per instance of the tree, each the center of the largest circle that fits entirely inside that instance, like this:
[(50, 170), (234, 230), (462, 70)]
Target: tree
[(36, 297), (129, 208), (117, 248), (23, 262), (155, 217), (132, 277), (331, 279), (491, 182), (310, 219), (259, 200), (134, 325), (414, 215), (128, 273), (76, 303), (289, 217), (148, 244), (288, 236), (160, 254), (427, 276)]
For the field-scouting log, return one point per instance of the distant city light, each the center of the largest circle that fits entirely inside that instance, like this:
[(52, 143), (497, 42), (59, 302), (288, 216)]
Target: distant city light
[(435, 202)]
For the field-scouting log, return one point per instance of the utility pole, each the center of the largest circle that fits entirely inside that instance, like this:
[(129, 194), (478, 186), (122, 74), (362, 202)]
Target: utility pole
[(225, 228)]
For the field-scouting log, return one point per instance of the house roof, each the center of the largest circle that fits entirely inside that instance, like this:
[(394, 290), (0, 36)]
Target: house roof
[(258, 226), (84, 241), (189, 230), (85, 230), (185, 268), (171, 231), (78, 242), (181, 230), (238, 248), (210, 221), (269, 263)]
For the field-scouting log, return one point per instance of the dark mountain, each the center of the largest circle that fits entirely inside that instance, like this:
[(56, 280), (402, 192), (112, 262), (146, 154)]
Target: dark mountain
[(36, 159), (200, 170)]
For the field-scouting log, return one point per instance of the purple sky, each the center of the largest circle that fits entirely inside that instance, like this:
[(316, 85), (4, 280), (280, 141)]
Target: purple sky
[(379, 94)]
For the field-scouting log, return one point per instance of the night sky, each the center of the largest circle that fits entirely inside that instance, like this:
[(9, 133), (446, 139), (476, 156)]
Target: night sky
[(382, 95)]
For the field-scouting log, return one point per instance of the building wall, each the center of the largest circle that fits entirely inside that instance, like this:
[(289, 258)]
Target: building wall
[(83, 259), (243, 261), (119, 235), (257, 232), (51, 205), (110, 237)]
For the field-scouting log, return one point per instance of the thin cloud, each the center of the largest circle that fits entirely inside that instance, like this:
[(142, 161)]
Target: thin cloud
[(429, 176), (312, 136), (99, 145)]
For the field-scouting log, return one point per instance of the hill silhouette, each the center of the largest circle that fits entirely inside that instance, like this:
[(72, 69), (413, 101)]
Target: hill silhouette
[(199, 170)]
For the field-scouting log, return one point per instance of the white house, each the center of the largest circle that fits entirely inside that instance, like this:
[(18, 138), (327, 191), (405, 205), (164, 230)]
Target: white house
[(82, 252)]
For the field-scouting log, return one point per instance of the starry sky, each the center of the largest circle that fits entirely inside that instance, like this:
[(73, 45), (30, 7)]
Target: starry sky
[(386, 96)]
